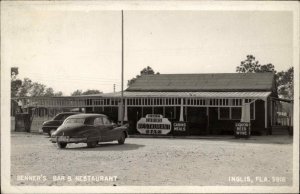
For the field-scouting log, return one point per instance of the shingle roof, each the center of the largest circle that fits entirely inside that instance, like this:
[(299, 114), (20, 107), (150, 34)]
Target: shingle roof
[(204, 82)]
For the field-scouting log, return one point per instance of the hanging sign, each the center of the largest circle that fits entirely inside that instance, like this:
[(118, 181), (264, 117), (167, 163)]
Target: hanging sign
[(154, 124)]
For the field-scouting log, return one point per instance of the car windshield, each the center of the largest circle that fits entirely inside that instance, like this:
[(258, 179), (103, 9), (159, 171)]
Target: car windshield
[(74, 121), (58, 117)]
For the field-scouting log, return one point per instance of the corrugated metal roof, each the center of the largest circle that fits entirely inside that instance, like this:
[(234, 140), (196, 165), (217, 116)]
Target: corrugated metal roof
[(204, 82), (128, 94)]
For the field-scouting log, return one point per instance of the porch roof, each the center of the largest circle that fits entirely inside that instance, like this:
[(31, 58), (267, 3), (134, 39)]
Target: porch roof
[(127, 94)]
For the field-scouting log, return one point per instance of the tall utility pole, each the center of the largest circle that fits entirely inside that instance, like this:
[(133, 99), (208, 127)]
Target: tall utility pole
[(122, 75)]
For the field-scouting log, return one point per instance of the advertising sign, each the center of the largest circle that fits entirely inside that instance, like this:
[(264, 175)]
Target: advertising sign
[(154, 124), (180, 128), (242, 129)]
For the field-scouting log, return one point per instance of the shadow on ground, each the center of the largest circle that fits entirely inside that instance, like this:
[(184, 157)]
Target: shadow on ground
[(109, 147), (252, 139)]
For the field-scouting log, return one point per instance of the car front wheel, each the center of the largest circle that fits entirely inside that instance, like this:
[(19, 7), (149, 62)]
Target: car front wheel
[(61, 145), (122, 139)]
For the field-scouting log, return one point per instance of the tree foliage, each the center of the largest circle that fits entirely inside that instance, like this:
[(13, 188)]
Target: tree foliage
[(28, 88), (250, 65), (15, 83), (284, 79), (285, 83), (146, 71), (87, 92)]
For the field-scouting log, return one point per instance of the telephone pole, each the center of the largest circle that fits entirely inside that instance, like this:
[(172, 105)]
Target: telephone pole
[(122, 75)]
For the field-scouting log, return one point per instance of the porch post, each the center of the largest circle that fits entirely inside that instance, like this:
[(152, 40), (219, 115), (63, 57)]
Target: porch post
[(181, 110), (125, 111), (266, 112), (271, 112)]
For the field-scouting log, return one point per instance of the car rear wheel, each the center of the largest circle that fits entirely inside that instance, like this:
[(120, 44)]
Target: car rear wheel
[(61, 145), (92, 144), (122, 139)]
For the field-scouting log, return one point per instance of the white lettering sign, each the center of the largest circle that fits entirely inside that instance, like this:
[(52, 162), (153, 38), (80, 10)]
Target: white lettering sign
[(154, 124)]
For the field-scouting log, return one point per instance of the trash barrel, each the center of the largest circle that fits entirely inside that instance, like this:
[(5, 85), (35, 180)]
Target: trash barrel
[(22, 122)]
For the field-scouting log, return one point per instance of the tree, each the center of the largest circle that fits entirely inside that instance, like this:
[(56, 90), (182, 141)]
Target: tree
[(58, 93), (87, 92), (76, 93), (49, 92), (285, 83), (15, 83), (284, 79), (250, 65), (28, 88), (37, 89), (25, 88), (146, 71)]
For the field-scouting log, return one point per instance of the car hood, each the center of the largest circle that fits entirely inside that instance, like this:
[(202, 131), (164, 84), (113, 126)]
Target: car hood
[(70, 130)]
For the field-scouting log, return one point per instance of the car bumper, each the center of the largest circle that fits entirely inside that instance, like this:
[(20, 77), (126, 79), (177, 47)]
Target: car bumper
[(66, 139)]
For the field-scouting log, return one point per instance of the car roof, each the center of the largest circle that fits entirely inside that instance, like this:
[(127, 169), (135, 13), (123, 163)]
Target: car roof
[(86, 115)]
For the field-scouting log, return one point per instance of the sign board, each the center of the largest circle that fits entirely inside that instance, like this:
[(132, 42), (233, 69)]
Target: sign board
[(180, 128), (154, 124), (242, 129)]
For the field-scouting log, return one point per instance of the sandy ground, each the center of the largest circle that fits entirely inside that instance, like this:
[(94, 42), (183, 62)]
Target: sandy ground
[(224, 161)]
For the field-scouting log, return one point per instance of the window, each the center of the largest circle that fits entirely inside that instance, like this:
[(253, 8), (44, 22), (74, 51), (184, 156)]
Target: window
[(74, 120), (98, 121), (236, 113), (224, 113)]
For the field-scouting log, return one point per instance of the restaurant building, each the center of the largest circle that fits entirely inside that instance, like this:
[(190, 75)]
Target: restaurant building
[(208, 103)]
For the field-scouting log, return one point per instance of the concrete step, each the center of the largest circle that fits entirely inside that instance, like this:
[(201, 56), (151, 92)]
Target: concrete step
[(280, 130)]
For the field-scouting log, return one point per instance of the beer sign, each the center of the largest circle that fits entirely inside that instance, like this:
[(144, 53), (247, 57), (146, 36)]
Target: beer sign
[(242, 129), (154, 124)]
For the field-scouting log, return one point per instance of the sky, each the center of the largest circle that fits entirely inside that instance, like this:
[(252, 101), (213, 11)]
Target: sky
[(72, 49)]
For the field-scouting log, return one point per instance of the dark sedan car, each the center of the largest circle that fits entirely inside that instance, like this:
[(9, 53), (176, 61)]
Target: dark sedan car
[(90, 129), (50, 126)]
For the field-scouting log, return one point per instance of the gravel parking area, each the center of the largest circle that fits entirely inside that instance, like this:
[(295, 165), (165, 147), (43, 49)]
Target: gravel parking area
[(263, 160)]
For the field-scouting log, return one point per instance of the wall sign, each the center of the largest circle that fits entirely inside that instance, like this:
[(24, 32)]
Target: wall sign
[(154, 124), (180, 126), (242, 129)]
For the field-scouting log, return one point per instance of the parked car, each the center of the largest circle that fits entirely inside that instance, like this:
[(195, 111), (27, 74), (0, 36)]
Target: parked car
[(90, 129), (50, 126)]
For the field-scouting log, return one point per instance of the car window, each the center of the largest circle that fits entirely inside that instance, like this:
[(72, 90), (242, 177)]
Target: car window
[(106, 121), (74, 121), (98, 121)]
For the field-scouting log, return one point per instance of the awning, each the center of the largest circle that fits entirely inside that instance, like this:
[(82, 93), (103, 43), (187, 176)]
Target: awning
[(127, 94)]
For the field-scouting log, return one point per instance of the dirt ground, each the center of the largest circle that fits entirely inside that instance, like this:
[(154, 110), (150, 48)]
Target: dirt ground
[(260, 160)]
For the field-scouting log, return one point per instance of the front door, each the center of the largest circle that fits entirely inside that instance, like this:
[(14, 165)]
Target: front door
[(197, 120)]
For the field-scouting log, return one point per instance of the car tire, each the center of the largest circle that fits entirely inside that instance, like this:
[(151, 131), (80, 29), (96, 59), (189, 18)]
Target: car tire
[(92, 144), (122, 139), (61, 145)]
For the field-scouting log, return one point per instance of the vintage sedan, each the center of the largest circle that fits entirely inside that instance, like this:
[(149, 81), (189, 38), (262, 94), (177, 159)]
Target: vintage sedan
[(90, 129), (50, 126)]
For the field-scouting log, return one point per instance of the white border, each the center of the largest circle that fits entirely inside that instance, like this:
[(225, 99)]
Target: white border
[(146, 5)]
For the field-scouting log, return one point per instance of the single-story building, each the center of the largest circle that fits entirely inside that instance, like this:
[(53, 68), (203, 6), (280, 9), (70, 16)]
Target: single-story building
[(209, 103)]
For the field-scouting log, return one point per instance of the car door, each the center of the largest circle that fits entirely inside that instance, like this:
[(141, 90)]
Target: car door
[(102, 130), (111, 135)]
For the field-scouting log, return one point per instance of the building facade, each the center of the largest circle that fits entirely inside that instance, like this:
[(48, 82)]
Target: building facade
[(208, 103)]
